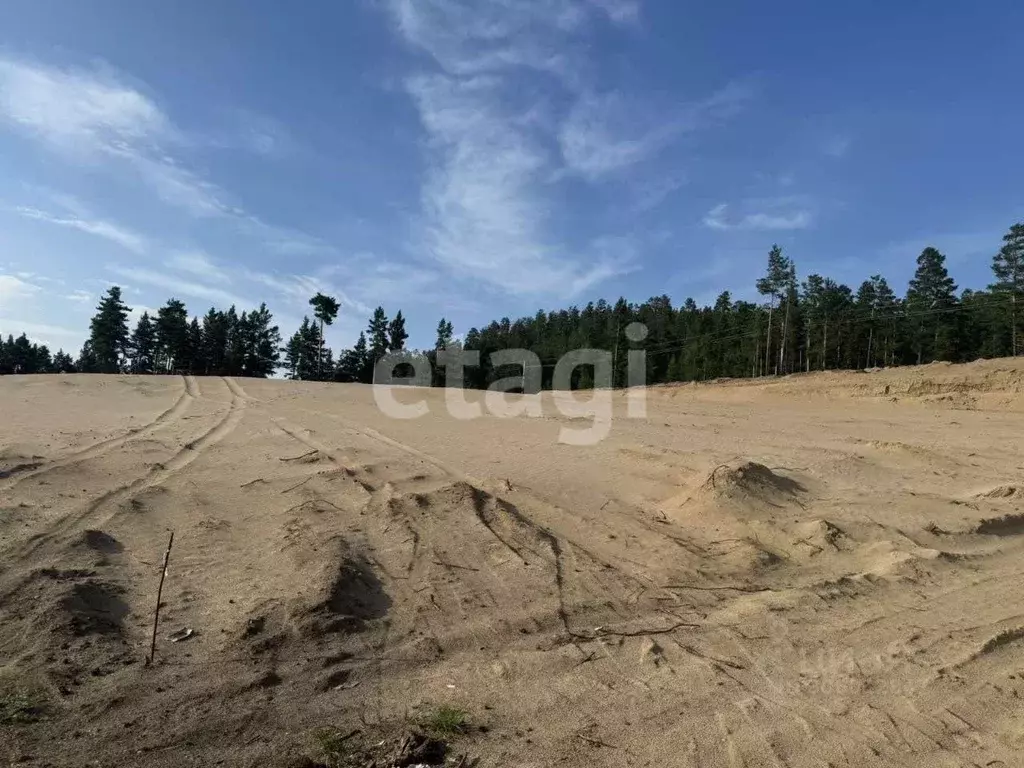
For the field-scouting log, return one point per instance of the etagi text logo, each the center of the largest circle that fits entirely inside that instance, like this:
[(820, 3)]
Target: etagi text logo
[(595, 408)]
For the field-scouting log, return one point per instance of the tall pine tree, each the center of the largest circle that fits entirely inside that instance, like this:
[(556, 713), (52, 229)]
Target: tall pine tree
[(1008, 266), (325, 309), (397, 333), (143, 345), (930, 297), (172, 342), (106, 349)]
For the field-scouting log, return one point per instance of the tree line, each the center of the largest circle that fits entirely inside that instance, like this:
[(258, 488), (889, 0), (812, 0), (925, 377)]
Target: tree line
[(800, 325)]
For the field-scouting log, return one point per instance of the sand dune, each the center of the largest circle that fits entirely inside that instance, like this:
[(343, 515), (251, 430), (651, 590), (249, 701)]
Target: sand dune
[(821, 570)]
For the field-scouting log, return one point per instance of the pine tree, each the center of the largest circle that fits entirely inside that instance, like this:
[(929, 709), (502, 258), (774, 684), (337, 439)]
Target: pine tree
[(87, 362), (42, 362), (293, 355), (143, 345), (196, 363), (265, 349), (774, 286), (885, 308), (396, 333), (23, 355), (352, 365), (1008, 266), (234, 355), (362, 359), (930, 296), (790, 293), (215, 343), (7, 355), (325, 309), (445, 334), (171, 327), (62, 362), (378, 336), (302, 352), (108, 334)]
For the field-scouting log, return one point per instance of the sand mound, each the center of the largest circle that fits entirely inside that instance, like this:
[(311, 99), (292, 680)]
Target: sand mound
[(345, 593), (459, 503), (748, 478), (746, 485)]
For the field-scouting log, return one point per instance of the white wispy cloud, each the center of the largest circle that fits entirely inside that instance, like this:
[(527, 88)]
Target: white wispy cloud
[(619, 11), (370, 280), (296, 290), (498, 147), (13, 288), (83, 297), (93, 116), (469, 38), (77, 111), (198, 264), (779, 216), (124, 237), (181, 287), (593, 144), (485, 219), (487, 200), (177, 185), (136, 311), (606, 133), (54, 336)]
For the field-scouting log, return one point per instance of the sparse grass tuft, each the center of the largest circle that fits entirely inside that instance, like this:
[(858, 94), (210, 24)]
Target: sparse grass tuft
[(333, 746), (445, 721), (20, 707)]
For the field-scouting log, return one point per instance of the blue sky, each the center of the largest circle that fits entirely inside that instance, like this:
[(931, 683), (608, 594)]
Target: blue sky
[(480, 159)]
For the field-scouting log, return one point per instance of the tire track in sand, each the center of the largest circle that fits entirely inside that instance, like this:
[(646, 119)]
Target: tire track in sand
[(189, 393), (159, 473), (550, 538)]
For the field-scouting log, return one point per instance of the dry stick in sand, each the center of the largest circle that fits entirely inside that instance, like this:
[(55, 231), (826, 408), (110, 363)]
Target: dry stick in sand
[(303, 456), (159, 592), (453, 565)]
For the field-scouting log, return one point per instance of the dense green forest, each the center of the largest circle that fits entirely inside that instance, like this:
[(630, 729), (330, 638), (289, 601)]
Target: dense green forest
[(800, 325)]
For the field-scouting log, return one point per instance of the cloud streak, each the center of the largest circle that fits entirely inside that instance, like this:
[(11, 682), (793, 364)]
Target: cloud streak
[(126, 238), (13, 288), (778, 217), (498, 148), (600, 135), (485, 218), (92, 117), (182, 287), (200, 265)]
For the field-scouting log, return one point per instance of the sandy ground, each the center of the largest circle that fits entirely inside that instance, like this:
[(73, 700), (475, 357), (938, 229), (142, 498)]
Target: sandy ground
[(824, 570)]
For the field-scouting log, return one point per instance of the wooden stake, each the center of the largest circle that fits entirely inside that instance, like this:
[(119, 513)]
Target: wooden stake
[(159, 592)]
